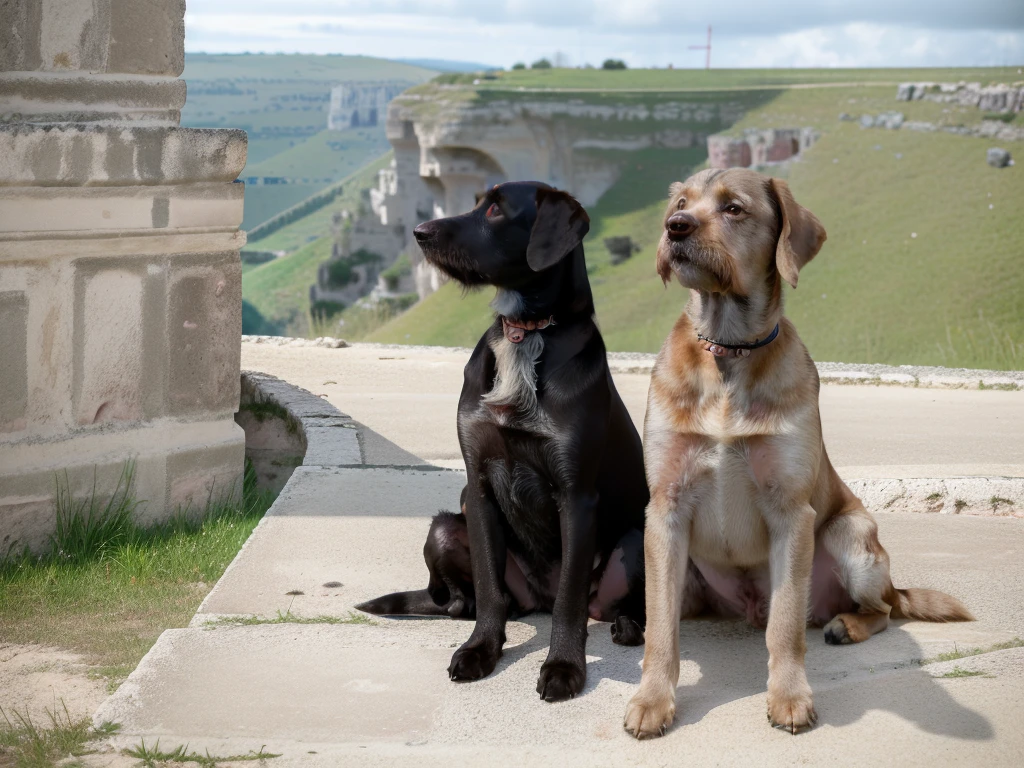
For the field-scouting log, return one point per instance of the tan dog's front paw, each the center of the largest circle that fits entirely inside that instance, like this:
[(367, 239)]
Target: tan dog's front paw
[(648, 716), (791, 712)]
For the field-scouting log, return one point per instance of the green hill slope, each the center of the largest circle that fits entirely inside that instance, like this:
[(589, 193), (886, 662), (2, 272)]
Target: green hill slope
[(293, 236), (924, 263)]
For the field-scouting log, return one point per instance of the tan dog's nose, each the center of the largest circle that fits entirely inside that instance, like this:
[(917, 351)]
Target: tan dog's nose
[(681, 225)]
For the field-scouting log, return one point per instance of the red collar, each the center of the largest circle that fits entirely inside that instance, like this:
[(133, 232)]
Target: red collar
[(516, 331)]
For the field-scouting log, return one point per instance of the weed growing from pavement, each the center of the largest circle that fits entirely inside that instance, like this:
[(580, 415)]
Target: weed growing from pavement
[(151, 756), (961, 672), (999, 501), (30, 745), (108, 587), (289, 618), (963, 653)]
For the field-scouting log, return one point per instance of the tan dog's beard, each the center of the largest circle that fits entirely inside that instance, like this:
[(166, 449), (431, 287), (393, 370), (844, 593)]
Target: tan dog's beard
[(696, 265)]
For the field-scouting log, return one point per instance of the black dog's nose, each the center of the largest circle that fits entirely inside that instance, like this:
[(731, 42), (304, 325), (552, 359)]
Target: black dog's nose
[(424, 232), (680, 225)]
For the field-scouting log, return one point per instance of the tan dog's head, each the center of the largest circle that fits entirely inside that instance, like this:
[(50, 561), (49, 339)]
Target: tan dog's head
[(733, 231)]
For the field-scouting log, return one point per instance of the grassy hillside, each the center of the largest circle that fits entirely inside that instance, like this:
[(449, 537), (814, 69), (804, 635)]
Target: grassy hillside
[(923, 264), (279, 289), (718, 79)]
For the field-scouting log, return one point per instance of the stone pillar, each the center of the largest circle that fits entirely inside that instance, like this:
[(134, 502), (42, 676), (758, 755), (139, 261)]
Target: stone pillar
[(120, 279)]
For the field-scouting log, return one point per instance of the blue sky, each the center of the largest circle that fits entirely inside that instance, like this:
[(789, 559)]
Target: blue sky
[(747, 33)]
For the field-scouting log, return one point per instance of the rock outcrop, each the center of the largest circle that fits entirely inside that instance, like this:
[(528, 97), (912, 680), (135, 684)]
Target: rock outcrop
[(992, 98), (355, 105)]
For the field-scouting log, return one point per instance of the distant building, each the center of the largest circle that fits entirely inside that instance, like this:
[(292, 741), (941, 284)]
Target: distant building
[(355, 105)]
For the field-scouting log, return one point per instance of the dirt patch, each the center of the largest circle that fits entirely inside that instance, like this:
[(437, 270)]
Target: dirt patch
[(35, 678)]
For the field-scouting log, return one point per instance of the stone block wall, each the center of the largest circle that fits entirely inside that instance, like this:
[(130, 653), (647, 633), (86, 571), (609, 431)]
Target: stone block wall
[(758, 148), (120, 278)]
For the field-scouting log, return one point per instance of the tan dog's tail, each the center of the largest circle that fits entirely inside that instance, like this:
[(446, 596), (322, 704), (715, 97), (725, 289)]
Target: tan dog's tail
[(927, 605)]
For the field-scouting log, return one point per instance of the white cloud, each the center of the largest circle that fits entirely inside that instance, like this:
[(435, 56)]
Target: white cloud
[(748, 33)]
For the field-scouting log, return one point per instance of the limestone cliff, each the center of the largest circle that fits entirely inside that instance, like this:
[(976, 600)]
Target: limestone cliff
[(453, 142)]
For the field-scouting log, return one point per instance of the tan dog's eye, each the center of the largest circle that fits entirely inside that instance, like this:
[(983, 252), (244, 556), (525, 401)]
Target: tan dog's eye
[(733, 210), (493, 211), (682, 203)]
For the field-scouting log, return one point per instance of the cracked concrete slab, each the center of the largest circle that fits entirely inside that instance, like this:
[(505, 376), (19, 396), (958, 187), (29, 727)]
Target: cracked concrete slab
[(378, 693)]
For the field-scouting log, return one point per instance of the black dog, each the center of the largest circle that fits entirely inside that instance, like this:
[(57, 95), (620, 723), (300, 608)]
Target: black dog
[(553, 509)]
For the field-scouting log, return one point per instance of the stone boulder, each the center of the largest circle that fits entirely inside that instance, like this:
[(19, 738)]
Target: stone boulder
[(890, 120), (867, 121), (998, 158), (621, 248)]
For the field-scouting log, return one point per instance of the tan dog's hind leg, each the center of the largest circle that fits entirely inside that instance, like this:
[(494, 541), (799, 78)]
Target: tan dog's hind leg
[(666, 552), (790, 703), (848, 628), (851, 537)]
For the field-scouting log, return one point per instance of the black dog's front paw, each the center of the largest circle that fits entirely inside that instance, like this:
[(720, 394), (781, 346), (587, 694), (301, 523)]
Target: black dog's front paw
[(625, 631), (471, 662), (561, 680)]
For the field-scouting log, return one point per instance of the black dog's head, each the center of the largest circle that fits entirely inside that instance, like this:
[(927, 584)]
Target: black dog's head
[(516, 231)]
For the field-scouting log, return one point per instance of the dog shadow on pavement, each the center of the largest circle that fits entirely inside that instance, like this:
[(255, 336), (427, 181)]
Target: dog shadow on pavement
[(724, 661)]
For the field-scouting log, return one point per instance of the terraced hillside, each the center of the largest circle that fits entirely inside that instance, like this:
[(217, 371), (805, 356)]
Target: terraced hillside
[(925, 258), (281, 101)]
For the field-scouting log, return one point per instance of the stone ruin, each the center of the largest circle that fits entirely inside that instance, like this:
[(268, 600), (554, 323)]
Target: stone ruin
[(759, 147), (120, 279), (356, 105)]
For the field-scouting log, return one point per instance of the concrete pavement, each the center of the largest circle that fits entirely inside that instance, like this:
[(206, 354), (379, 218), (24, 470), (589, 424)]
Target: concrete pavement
[(357, 693)]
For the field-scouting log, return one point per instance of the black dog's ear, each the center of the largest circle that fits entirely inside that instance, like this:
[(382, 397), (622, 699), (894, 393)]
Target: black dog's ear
[(561, 225)]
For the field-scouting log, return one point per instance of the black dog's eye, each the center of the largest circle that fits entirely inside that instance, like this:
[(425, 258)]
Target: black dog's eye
[(733, 209), (493, 211)]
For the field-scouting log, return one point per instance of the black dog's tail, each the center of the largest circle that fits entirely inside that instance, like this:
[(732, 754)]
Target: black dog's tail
[(416, 603)]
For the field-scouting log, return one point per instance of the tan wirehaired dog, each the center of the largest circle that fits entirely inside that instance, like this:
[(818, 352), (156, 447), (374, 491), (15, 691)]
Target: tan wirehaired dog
[(747, 516)]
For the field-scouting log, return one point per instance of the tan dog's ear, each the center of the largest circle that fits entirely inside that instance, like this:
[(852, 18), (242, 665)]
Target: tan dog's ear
[(800, 236), (560, 226), (674, 189)]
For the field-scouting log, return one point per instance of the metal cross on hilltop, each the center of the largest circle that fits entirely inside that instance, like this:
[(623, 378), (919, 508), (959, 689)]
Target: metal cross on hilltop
[(707, 47)]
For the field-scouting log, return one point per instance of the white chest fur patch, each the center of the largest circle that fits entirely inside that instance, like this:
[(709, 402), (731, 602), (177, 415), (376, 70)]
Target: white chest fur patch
[(515, 384)]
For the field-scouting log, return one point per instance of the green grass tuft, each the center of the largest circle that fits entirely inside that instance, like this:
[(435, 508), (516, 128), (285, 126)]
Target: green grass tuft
[(289, 618), (960, 672), (151, 756), (963, 653), (91, 527), (26, 744)]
